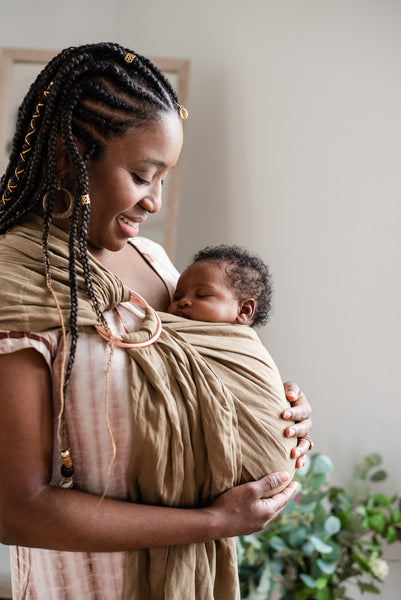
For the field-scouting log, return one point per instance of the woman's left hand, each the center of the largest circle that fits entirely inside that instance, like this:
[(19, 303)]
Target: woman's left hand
[(301, 413)]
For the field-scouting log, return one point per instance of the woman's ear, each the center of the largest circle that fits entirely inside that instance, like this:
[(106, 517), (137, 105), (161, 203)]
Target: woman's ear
[(65, 167), (246, 311)]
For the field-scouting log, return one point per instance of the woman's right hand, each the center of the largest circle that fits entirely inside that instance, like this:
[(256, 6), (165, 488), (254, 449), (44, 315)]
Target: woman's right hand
[(243, 510)]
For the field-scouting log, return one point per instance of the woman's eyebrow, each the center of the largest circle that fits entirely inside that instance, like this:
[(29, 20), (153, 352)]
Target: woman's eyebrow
[(153, 161)]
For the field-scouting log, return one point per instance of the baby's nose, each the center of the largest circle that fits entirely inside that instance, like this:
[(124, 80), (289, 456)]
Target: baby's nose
[(184, 301)]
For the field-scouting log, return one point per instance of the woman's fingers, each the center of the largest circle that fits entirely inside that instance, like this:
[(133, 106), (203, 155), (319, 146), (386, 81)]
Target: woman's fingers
[(269, 483), (276, 504), (300, 412), (300, 408), (243, 509)]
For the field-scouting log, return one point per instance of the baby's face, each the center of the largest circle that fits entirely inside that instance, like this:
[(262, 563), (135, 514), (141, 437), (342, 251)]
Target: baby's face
[(204, 293)]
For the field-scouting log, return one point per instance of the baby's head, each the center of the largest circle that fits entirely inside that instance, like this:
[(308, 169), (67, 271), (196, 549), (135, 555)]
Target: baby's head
[(224, 284)]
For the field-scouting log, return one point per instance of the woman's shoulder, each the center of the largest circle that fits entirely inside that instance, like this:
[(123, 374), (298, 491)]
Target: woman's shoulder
[(158, 259), (152, 250)]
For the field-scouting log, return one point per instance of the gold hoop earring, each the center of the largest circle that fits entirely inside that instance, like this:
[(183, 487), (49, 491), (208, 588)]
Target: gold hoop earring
[(67, 213)]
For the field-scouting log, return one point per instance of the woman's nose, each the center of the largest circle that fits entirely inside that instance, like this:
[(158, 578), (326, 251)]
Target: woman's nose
[(153, 200)]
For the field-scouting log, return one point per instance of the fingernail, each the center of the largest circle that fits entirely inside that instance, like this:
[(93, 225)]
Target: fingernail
[(296, 453), (287, 414), (291, 432)]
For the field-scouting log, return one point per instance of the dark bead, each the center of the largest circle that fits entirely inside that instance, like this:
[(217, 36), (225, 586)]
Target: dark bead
[(67, 472)]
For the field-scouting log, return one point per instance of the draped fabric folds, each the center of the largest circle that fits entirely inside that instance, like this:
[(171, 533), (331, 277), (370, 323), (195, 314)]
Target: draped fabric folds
[(206, 404)]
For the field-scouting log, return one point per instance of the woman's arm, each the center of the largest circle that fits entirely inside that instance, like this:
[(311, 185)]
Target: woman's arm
[(33, 513), (301, 413)]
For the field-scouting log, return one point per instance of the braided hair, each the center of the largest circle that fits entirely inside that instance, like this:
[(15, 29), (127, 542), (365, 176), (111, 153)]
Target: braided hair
[(248, 275), (89, 93)]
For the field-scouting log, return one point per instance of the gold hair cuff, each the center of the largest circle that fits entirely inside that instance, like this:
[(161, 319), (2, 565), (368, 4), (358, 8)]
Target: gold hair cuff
[(85, 199), (129, 57), (183, 111)]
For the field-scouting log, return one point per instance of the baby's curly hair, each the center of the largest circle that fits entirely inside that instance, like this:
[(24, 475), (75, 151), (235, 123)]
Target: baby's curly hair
[(248, 273)]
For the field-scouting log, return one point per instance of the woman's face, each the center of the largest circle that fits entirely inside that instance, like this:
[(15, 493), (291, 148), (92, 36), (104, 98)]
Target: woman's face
[(125, 185)]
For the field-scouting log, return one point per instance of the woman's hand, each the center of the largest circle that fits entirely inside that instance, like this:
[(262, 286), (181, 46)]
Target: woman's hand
[(301, 413), (243, 510)]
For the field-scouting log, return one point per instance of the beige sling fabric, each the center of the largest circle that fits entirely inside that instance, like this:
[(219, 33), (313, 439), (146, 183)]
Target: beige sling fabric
[(212, 415), (26, 304), (206, 400)]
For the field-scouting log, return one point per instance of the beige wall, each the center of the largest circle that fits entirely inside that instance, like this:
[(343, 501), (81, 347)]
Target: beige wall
[(292, 149)]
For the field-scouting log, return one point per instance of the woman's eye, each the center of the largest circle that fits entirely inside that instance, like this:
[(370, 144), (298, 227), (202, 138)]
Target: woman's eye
[(203, 295), (139, 180)]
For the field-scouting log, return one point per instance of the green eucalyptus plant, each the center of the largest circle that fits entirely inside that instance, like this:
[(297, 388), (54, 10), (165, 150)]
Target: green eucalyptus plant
[(325, 537)]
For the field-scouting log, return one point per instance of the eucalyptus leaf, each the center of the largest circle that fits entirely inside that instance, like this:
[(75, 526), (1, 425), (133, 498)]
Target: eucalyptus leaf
[(277, 543), (326, 538), (262, 589), (319, 545), (319, 518), (324, 594), (322, 464), (308, 549), (308, 580), (307, 508), (344, 500), (277, 564), (321, 583), (332, 525), (326, 567), (289, 508), (336, 551), (357, 489), (297, 536), (252, 540), (380, 475), (316, 481)]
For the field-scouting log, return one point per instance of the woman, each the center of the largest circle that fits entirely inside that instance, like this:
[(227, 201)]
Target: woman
[(97, 133)]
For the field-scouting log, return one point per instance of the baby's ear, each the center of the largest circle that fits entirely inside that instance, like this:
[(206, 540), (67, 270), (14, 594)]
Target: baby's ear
[(246, 311)]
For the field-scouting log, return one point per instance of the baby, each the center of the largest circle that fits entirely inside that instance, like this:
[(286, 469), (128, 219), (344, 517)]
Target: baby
[(224, 284)]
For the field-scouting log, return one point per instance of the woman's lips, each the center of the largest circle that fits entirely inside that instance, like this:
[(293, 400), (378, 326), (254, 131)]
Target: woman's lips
[(130, 227)]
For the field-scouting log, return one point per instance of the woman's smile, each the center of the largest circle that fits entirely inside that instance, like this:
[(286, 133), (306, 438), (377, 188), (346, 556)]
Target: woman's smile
[(130, 227)]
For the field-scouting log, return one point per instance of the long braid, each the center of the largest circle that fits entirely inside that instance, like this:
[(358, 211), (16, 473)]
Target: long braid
[(90, 92)]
